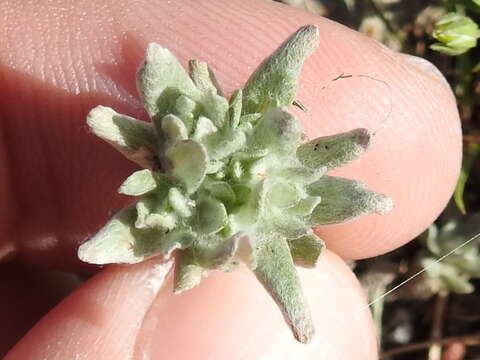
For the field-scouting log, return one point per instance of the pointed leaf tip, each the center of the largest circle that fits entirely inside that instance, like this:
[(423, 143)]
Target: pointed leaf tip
[(160, 79), (135, 139), (344, 200), (114, 243), (275, 81), (139, 183), (276, 271), (188, 273)]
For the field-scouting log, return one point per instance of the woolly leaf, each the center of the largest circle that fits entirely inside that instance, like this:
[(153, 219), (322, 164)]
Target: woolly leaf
[(276, 271), (305, 206), (211, 215), (215, 107), (247, 119), (180, 203), (302, 175), (448, 277), (274, 83), (221, 144), (133, 138), (189, 162), (344, 200), (334, 151), (235, 109), (173, 128), (204, 127), (161, 76), (139, 183), (152, 242), (290, 227), (188, 273), (184, 109), (214, 252), (252, 205), (222, 191), (306, 250), (203, 77), (282, 194), (114, 243), (277, 130)]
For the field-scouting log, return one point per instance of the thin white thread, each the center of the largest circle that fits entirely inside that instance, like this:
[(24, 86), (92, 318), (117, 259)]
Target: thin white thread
[(423, 270), (367, 307)]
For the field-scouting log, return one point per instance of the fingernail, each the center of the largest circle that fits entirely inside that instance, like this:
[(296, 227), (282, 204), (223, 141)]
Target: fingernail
[(426, 67)]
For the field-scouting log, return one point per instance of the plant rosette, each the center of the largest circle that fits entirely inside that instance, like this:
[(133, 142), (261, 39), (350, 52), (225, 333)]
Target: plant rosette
[(229, 181)]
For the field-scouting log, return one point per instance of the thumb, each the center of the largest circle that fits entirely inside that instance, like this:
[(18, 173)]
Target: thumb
[(117, 315), (85, 54)]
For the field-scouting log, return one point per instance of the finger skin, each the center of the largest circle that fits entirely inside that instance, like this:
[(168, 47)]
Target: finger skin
[(229, 316), (68, 58), (27, 294), (59, 60)]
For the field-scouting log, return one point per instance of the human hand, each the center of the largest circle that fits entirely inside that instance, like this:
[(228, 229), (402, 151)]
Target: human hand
[(61, 60)]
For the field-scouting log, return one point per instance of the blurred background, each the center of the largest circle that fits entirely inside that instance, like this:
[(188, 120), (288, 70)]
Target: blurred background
[(435, 315)]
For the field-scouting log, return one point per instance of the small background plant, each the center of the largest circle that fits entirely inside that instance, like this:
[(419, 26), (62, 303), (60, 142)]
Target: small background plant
[(441, 306)]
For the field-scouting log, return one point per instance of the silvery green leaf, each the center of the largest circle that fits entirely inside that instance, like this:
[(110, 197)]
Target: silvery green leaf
[(302, 175), (173, 128), (215, 107), (144, 208), (135, 139), (335, 150), (139, 183), (184, 109), (235, 110), (214, 166), (274, 83), (215, 252), (203, 128), (242, 193), (250, 118), (160, 79), (149, 216), (151, 242), (344, 200), (180, 203), (211, 215), (203, 77), (236, 169), (305, 206), (189, 162), (282, 194), (253, 204), (221, 190), (163, 221), (188, 273), (224, 143), (114, 243), (447, 275), (277, 130), (245, 251), (306, 250), (276, 271), (289, 227)]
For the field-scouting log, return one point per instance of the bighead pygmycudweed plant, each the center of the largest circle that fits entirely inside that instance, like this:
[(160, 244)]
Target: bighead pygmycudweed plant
[(229, 181)]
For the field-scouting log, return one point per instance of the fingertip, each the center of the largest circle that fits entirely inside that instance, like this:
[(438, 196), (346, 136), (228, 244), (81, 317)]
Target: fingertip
[(99, 320), (231, 316)]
